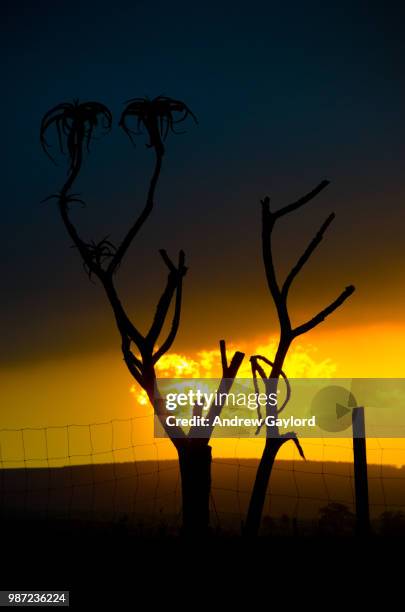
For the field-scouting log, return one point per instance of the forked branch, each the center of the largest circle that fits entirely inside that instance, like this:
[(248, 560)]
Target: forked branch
[(76, 124), (229, 372), (280, 296), (158, 116), (274, 440)]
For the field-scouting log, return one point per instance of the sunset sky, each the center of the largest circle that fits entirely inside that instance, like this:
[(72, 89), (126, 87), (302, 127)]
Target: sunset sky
[(286, 95)]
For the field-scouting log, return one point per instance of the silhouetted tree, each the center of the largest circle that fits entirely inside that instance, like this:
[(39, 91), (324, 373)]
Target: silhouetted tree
[(275, 440), (76, 124), (336, 519)]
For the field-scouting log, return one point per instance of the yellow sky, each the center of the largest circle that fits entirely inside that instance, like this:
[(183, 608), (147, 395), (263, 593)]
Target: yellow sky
[(92, 389)]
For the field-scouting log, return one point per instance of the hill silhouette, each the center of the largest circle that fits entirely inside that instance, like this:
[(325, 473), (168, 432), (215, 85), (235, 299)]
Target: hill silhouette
[(145, 496)]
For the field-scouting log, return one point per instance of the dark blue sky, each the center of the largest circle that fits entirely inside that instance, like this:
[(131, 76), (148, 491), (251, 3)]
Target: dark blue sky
[(286, 94)]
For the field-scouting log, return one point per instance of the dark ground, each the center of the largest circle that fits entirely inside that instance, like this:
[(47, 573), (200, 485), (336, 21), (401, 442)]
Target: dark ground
[(110, 567), (115, 556)]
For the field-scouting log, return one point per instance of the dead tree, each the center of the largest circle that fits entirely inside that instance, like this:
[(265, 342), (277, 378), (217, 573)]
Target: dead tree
[(76, 124), (275, 440)]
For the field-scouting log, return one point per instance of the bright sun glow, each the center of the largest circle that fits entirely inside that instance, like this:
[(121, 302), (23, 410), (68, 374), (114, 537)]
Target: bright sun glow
[(301, 362)]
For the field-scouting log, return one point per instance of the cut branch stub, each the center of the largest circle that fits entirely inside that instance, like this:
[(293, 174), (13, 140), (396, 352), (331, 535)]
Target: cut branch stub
[(229, 373)]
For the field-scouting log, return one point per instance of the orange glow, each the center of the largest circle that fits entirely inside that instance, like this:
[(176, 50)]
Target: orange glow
[(300, 363), (93, 388)]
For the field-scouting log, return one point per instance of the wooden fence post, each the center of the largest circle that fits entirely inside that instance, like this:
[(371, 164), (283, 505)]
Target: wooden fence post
[(363, 527)]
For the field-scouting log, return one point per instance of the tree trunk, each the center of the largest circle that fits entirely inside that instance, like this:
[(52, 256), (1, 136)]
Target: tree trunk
[(271, 447), (257, 500), (195, 470)]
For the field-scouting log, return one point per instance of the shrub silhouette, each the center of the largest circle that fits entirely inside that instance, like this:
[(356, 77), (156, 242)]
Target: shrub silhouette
[(336, 519)]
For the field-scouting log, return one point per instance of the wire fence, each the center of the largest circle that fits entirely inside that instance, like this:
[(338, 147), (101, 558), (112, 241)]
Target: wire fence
[(102, 472)]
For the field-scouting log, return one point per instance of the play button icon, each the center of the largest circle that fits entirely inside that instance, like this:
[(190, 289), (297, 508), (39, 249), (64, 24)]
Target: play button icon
[(341, 411), (332, 407)]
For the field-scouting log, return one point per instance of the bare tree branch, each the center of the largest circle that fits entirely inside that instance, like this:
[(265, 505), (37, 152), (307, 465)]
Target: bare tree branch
[(78, 242), (158, 117), (274, 440), (174, 432), (133, 231), (229, 373), (304, 200), (291, 435), (133, 364), (305, 327), (256, 367), (168, 261), (306, 255), (176, 279), (268, 382), (224, 360), (268, 221), (124, 324)]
